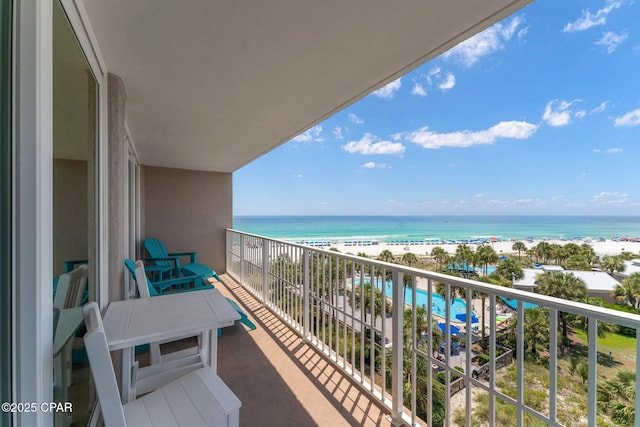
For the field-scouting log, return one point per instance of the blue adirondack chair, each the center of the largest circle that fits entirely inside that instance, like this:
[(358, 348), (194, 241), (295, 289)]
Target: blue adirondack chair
[(170, 262), (198, 286), (159, 287)]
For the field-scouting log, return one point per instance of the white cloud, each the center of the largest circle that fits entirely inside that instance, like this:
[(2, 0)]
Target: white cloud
[(369, 144), (466, 138), (608, 151), (487, 42), (448, 83), (434, 78), (580, 114), (337, 131), (312, 135), (389, 90), (396, 203), (355, 119), (632, 118), (373, 165), (479, 196), (557, 113), (600, 108), (299, 175), (611, 40), (612, 198), (419, 90), (588, 20)]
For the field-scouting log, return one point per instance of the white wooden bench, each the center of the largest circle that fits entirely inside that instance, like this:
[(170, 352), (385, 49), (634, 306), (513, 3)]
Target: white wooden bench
[(199, 398)]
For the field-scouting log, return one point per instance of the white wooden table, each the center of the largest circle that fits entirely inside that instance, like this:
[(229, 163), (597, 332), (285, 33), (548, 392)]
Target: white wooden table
[(140, 321)]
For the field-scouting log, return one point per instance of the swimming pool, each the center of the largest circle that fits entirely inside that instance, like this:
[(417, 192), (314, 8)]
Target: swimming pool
[(514, 303), (458, 305)]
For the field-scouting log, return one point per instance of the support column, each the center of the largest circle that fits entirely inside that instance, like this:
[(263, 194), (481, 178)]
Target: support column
[(117, 173)]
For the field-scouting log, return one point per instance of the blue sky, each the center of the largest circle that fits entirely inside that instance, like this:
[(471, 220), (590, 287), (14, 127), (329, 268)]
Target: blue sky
[(539, 114)]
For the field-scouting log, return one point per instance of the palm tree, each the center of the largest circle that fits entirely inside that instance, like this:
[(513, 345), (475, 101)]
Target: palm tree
[(510, 270), (628, 292), (586, 250), (577, 262), (536, 331), (519, 247), (440, 256), (542, 252), (407, 280), (613, 264), (558, 253), (464, 255), (441, 288), (604, 328), (362, 299), (409, 258), (565, 286), (386, 256), (616, 397), (486, 255)]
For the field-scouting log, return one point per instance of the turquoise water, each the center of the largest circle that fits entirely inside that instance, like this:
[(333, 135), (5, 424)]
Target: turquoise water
[(389, 228), (438, 307)]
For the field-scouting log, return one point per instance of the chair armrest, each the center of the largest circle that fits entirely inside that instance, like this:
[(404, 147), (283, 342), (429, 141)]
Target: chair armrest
[(174, 259), (162, 285), (70, 265), (192, 255)]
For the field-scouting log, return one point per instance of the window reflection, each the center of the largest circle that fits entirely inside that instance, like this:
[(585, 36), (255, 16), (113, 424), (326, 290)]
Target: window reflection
[(74, 198)]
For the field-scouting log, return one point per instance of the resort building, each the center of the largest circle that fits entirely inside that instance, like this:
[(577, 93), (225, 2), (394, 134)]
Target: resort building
[(122, 120), (630, 267), (599, 284)]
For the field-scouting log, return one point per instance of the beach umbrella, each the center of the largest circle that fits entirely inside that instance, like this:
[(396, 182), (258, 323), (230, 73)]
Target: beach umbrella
[(452, 329), (463, 318)]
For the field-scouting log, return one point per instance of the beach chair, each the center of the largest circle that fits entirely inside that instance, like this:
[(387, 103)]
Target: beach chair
[(138, 273), (170, 262), (160, 286), (70, 291), (199, 397)]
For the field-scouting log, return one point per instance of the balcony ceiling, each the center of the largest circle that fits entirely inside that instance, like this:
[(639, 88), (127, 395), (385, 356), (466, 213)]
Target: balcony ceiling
[(212, 85)]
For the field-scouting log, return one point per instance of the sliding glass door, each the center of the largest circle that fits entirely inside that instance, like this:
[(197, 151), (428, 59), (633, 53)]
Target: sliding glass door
[(75, 183)]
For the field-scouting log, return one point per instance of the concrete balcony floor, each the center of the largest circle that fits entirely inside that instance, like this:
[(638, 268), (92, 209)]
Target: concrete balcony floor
[(283, 382)]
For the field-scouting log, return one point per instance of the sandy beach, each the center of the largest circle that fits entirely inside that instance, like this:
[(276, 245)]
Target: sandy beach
[(601, 248)]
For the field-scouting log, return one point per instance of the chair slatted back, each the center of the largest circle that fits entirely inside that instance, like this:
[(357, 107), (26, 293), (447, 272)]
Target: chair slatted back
[(143, 286), (71, 288), (145, 289), (156, 249), (102, 368)]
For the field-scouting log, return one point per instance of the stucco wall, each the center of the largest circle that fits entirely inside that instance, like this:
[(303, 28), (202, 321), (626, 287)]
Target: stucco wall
[(189, 211), (70, 212)]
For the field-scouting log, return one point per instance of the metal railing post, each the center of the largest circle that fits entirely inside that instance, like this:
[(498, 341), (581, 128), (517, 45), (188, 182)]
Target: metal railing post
[(243, 246), (397, 350), (306, 319), (228, 255), (265, 271)]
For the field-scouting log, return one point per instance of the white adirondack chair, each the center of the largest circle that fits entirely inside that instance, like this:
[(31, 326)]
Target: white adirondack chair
[(199, 398)]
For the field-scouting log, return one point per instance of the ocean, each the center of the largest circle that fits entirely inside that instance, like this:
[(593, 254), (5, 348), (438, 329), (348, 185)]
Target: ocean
[(449, 227)]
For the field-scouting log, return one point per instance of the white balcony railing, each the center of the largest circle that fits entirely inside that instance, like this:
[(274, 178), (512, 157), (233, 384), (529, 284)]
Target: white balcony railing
[(424, 377)]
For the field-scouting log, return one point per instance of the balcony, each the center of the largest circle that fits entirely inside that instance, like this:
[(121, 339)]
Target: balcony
[(333, 350)]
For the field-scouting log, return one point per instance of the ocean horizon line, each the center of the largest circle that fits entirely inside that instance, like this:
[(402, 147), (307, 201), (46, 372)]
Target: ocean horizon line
[(437, 215), (449, 227)]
